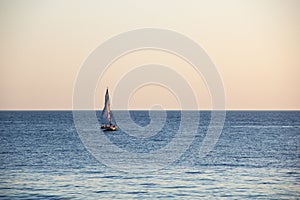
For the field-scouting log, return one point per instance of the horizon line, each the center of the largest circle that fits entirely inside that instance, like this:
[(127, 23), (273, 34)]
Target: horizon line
[(151, 110)]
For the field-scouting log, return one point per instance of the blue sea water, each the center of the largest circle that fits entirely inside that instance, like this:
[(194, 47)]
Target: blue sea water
[(256, 156)]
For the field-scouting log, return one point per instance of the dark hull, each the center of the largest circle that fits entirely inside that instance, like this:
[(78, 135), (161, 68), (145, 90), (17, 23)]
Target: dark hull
[(109, 128)]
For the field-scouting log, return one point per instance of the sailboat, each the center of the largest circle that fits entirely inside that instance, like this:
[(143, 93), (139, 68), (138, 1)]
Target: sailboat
[(107, 120)]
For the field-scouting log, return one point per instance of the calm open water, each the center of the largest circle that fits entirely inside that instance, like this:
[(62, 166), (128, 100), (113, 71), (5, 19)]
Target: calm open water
[(256, 156)]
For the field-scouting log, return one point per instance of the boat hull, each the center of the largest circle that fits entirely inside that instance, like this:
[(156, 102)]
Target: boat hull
[(104, 126), (109, 128)]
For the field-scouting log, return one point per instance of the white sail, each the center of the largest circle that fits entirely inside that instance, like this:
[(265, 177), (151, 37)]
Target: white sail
[(106, 115)]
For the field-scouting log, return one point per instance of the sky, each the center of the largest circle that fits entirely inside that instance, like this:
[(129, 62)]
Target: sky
[(254, 45)]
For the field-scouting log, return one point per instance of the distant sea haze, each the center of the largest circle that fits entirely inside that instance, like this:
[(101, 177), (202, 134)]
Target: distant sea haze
[(256, 156)]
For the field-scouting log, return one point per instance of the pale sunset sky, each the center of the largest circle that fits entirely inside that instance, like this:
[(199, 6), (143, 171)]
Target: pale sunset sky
[(254, 44)]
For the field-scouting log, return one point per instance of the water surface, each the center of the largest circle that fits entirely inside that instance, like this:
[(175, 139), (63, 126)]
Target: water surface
[(257, 156)]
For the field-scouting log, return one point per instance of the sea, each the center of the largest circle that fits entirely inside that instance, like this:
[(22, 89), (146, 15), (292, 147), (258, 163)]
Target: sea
[(256, 156)]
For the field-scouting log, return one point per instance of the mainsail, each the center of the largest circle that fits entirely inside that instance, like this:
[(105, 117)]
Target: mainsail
[(106, 115)]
